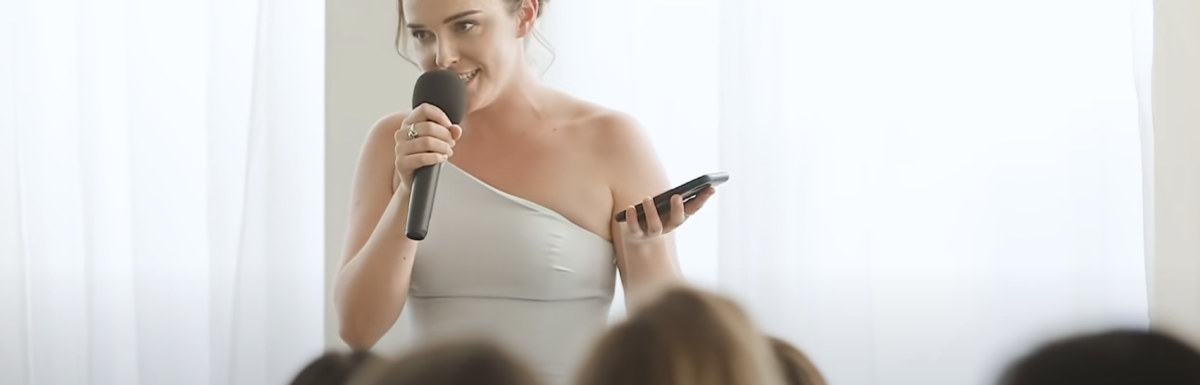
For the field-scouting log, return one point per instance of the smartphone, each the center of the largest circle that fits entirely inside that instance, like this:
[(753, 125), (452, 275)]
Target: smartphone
[(688, 190)]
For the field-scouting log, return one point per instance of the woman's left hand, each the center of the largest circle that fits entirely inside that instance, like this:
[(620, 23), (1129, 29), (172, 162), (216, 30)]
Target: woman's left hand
[(656, 226)]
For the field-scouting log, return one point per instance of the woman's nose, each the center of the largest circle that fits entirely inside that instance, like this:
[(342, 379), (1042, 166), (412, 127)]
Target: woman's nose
[(447, 54)]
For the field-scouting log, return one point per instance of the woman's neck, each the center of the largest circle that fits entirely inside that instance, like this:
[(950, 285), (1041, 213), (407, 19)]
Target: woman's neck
[(515, 109)]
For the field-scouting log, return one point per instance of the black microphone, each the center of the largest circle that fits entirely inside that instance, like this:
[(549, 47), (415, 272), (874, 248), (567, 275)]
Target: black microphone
[(442, 89)]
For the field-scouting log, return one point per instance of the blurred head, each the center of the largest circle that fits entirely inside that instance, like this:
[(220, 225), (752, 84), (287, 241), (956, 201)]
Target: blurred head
[(481, 40), (333, 368), (684, 337), (797, 368), (1112, 358), (452, 363)]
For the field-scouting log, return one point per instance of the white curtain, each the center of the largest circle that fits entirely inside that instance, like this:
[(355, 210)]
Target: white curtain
[(160, 191), (920, 189)]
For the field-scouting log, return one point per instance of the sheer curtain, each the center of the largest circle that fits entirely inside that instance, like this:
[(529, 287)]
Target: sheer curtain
[(160, 191), (920, 189)]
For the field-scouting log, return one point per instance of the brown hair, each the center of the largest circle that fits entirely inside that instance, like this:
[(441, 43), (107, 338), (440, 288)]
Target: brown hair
[(685, 337), (514, 6), (797, 368), (333, 368), (461, 362), (1118, 357)]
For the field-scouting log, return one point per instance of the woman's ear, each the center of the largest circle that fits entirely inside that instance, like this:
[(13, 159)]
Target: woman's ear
[(526, 17)]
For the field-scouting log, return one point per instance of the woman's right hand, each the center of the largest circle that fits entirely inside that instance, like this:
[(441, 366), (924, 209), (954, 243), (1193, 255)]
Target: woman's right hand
[(433, 142)]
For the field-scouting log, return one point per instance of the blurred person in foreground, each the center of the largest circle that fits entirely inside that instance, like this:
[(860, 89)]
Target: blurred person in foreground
[(797, 368), (1122, 357), (333, 368), (458, 362), (684, 337)]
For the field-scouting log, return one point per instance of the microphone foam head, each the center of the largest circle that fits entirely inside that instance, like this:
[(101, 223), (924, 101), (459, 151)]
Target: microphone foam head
[(443, 89)]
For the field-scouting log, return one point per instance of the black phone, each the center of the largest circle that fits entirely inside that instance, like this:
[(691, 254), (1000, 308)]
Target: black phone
[(688, 190)]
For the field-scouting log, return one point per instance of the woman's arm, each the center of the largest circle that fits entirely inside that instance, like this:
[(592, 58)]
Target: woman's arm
[(636, 173), (371, 285), (646, 267)]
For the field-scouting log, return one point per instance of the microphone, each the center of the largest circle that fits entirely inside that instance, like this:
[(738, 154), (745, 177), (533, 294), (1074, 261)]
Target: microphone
[(444, 90)]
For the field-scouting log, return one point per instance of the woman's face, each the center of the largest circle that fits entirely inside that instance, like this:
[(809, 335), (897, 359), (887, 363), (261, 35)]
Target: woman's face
[(480, 40)]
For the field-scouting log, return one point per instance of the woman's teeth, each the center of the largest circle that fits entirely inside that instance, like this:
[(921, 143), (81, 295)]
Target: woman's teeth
[(468, 76)]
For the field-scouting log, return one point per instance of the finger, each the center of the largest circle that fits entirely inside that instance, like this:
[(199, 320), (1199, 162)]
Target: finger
[(654, 225), (694, 205), (677, 211), (431, 129), (428, 113), (456, 132), (399, 150), (415, 161), (426, 144), (631, 217)]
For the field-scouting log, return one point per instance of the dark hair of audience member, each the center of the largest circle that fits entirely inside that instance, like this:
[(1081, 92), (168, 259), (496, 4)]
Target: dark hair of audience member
[(684, 337), (333, 368), (797, 368), (1120, 357), (461, 362)]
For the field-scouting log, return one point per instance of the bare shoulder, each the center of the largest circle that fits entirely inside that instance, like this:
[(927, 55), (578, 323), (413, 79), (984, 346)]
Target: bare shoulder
[(608, 132), (379, 144), (386, 126), (376, 157), (623, 150)]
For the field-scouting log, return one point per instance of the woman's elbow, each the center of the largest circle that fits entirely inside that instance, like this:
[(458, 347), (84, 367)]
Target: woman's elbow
[(363, 318), (353, 327), (356, 333), (356, 339)]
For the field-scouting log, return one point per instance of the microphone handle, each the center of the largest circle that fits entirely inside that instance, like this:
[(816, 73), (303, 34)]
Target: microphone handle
[(420, 204)]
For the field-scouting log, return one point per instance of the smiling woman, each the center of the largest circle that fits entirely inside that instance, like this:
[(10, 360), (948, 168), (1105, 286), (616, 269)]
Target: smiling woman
[(523, 249)]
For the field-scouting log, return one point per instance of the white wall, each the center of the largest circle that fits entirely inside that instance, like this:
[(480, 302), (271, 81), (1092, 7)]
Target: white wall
[(1175, 238), (364, 79)]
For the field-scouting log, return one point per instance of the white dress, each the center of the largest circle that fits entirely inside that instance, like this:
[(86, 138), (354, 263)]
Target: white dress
[(500, 267)]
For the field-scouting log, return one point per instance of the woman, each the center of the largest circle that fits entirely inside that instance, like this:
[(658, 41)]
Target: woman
[(463, 362), (687, 337), (522, 244)]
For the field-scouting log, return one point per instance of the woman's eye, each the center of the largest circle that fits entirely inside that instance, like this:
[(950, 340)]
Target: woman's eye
[(466, 25), (420, 35)]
